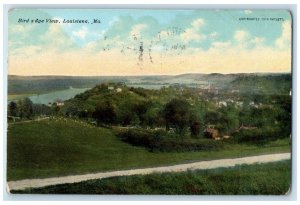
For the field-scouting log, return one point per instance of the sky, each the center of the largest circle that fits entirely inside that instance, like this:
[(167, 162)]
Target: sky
[(148, 42)]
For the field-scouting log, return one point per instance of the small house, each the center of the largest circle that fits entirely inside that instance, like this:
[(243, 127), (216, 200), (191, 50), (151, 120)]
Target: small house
[(59, 103)]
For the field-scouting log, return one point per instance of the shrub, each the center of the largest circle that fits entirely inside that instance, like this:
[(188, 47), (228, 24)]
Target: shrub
[(258, 136), (160, 140)]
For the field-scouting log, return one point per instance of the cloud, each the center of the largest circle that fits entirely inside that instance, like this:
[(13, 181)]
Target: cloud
[(81, 33), (258, 40), (52, 38), (137, 29), (245, 40), (56, 38), (198, 23), (32, 40), (241, 35), (284, 41), (221, 45), (214, 34), (248, 12), (22, 35), (193, 33), (29, 51)]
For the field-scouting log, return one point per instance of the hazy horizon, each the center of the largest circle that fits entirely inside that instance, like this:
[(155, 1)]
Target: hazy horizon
[(148, 75)]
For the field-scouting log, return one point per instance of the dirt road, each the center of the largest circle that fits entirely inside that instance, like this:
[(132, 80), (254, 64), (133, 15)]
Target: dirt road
[(34, 183)]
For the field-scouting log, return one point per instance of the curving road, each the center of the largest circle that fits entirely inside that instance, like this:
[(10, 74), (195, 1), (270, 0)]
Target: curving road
[(34, 183)]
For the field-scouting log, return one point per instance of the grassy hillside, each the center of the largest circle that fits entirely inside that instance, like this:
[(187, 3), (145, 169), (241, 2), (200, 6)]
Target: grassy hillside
[(62, 147), (260, 179)]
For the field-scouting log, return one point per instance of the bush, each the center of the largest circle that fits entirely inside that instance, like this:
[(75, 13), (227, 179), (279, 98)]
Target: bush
[(160, 140), (258, 135)]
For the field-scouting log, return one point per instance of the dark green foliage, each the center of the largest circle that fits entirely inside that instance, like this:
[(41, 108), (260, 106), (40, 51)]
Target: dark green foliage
[(268, 84), (12, 109), (165, 142), (229, 119), (104, 113), (258, 136), (25, 108), (153, 117), (140, 91), (212, 117), (177, 114), (41, 109), (260, 179), (224, 119), (195, 128)]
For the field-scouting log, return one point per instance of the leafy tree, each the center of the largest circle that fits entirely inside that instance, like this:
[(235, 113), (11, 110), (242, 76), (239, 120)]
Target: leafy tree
[(152, 116), (41, 109), (125, 113), (263, 116), (104, 113), (140, 108), (212, 117), (229, 120), (25, 108), (176, 114), (245, 116), (12, 109)]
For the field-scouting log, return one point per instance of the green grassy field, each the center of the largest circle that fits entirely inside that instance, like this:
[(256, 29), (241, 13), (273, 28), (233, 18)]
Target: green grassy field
[(61, 147), (259, 179)]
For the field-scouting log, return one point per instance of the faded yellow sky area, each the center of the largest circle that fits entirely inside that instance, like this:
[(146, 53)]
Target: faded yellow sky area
[(79, 63)]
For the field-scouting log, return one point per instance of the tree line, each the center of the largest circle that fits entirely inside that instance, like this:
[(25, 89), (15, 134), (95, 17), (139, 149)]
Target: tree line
[(25, 109)]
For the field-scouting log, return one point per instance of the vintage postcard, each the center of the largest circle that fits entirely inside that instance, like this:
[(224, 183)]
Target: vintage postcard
[(149, 101)]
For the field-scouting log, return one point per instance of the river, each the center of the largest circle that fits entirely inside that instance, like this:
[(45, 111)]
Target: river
[(54, 96)]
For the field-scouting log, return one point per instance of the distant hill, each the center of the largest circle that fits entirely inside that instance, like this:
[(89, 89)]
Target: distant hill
[(42, 84), (247, 82), (263, 84)]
